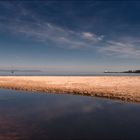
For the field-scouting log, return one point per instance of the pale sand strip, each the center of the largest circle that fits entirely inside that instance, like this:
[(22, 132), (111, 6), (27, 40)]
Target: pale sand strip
[(115, 87)]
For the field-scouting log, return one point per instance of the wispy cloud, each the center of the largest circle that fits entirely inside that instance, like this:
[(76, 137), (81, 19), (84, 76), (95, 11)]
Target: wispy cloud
[(127, 47), (92, 37), (29, 24), (44, 31)]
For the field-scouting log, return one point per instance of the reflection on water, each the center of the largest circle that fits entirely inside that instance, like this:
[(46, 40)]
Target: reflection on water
[(40, 116)]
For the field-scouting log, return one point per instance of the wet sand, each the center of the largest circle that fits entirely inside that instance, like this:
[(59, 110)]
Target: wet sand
[(126, 88)]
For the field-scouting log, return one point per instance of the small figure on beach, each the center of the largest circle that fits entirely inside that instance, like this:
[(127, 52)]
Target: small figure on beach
[(12, 72)]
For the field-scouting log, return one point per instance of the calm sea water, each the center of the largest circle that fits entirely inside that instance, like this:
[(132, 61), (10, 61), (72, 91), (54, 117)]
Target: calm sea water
[(43, 73), (33, 116)]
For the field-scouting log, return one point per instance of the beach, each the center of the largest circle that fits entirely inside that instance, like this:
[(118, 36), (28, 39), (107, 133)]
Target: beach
[(126, 88)]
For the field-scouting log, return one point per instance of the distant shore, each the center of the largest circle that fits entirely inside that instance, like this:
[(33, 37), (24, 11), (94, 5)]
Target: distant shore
[(126, 88), (129, 71)]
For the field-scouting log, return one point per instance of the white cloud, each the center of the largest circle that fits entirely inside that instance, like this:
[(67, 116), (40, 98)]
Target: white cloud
[(30, 25), (39, 29), (126, 48), (87, 34), (45, 31), (92, 37)]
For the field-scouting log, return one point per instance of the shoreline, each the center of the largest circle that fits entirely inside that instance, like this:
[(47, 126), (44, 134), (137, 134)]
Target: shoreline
[(125, 88)]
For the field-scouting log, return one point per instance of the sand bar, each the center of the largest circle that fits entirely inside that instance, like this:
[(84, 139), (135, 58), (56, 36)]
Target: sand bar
[(125, 88)]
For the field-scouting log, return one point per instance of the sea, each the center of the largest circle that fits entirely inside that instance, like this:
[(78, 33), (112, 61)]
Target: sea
[(44, 73), (39, 116)]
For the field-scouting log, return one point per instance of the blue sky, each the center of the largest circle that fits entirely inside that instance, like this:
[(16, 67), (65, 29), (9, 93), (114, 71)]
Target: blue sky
[(70, 36)]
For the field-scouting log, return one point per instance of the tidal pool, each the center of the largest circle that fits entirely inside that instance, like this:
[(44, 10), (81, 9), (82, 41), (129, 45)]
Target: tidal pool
[(27, 115)]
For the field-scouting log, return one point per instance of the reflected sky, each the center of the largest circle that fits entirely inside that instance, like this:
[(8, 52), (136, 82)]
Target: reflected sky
[(26, 115)]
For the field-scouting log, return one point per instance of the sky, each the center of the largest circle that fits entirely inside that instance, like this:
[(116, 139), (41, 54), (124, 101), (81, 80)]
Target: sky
[(76, 36)]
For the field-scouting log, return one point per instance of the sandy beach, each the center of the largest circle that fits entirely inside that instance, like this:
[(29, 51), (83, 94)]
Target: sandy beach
[(125, 88)]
